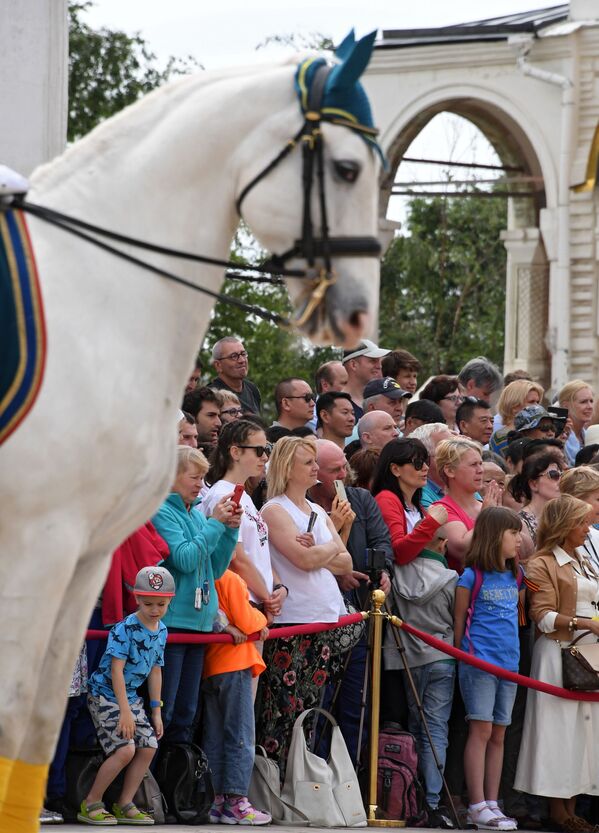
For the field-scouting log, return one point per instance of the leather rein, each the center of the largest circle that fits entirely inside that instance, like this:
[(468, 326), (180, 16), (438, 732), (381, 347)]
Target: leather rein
[(310, 247)]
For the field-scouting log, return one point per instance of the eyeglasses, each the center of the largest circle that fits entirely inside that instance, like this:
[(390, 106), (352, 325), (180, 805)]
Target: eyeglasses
[(307, 397), (233, 411), (234, 357), (552, 474), (259, 449), (455, 397)]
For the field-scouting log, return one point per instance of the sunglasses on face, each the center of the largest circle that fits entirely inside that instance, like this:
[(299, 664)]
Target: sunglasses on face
[(552, 474), (418, 463), (307, 397), (259, 449)]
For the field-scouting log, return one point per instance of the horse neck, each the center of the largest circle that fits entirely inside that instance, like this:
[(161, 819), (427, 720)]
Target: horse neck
[(168, 166)]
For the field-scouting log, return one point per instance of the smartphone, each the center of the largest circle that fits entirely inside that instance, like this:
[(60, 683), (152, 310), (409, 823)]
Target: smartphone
[(340, 489), (561, 413), (237, 493), (312, 521)]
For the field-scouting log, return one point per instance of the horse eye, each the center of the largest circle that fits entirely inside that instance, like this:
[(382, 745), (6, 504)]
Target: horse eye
[(346, 169)]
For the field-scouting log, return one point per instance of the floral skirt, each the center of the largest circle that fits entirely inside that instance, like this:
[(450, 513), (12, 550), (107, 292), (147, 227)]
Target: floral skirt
[(297, 671)]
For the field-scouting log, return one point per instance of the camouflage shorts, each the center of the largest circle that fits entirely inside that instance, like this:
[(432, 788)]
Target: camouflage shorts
[(106, 716)]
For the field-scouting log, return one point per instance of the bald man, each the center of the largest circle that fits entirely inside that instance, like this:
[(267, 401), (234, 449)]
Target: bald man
[(376, 429), (361, 526)]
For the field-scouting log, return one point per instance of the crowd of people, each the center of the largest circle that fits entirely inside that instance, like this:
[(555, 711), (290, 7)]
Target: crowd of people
[(481, 496)]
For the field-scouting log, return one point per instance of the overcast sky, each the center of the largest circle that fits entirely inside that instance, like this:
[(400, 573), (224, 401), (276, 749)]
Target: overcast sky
[(228, 31)]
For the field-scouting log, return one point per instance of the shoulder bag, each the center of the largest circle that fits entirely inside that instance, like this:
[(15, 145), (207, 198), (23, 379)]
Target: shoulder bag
[(326, 792), (265, 792), (580, 665)]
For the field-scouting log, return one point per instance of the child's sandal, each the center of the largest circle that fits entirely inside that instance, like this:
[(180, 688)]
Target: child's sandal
[(138, 817), (95, 813)]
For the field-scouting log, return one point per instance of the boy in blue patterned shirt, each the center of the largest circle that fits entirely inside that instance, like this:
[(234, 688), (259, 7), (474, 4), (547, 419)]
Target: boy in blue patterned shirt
[(134, 653)]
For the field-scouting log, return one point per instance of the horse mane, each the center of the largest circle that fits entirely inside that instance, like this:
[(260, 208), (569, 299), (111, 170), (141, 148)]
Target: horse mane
[(148, 109)]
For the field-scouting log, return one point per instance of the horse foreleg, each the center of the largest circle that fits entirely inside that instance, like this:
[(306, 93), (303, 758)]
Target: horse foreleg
[(42, 675)]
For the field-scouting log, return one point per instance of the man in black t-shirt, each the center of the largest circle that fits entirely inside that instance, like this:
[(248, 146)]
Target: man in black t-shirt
[(230, 360)]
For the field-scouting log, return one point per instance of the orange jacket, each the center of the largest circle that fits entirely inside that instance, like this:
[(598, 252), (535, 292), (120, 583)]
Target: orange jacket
[(234, 601)]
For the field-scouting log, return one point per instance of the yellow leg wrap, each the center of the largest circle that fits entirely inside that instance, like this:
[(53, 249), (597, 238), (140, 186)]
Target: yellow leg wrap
[(20, 811), (6, 765)]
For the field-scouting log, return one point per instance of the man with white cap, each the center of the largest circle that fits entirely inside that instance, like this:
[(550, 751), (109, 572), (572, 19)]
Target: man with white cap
[(362, 364)]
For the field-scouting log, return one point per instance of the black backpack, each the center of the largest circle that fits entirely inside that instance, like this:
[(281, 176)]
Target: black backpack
[(184, 777)]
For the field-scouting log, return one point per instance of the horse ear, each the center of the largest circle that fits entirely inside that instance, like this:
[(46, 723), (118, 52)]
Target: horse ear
[(345, 47), (355, 60)]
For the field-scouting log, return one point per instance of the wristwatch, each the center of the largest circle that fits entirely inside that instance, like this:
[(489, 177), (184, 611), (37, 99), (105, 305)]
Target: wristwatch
[(278, 587)]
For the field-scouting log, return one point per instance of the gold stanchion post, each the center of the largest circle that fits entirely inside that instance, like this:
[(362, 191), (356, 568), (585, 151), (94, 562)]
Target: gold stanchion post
[(377, 616)]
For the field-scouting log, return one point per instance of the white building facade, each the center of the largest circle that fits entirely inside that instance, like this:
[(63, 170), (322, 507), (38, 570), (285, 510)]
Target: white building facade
[(530, 83)]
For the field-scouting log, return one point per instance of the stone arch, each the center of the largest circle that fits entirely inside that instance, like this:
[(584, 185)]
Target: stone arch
[(527, 270)]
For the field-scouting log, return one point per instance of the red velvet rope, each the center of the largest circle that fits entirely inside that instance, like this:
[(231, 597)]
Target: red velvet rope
[(528, 682), (352, 618), (275, 633)]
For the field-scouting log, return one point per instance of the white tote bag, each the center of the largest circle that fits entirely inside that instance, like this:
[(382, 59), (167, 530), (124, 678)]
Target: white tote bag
[(327, 792)]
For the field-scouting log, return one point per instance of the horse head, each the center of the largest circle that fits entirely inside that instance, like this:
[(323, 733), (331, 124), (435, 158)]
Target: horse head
[(314, 204)]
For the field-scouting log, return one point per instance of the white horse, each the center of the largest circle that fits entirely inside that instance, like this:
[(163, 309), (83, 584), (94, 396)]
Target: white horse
[(95, 457)]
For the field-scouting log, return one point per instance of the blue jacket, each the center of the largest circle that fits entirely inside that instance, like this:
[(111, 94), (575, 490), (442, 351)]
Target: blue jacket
[(200, 551)]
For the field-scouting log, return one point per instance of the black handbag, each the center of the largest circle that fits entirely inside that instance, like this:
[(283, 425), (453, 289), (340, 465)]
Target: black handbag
[(184, 777), (580, 665)]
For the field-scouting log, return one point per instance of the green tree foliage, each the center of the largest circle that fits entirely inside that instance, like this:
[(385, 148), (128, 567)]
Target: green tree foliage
[(108, 70), (443, 285)]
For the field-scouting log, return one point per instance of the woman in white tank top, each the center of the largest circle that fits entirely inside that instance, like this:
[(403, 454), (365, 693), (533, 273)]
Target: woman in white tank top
[(307, 563)]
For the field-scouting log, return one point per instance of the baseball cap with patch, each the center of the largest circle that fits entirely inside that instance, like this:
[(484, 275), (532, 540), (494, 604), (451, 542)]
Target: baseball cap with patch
[(154, 581), (365, 348), (387, 387)]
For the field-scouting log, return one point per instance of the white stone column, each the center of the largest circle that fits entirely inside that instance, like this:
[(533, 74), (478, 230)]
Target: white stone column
[(526, 303), (33, 82)]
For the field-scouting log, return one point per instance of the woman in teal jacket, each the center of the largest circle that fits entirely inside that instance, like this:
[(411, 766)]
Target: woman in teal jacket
[(200, 550)]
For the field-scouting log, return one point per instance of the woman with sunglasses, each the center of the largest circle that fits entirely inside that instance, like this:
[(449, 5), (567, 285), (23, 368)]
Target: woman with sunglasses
[(397, 483), (241, 453), (537, 483), (444, 391), (308, 553)]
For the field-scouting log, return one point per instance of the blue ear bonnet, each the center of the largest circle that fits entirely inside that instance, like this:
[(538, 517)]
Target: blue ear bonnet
[(344, 100)]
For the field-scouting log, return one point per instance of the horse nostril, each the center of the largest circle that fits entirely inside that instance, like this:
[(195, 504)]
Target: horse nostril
[(346, 169)]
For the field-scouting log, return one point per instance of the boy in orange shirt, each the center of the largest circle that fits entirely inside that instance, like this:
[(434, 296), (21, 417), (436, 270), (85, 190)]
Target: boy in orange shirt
[(229, 730)]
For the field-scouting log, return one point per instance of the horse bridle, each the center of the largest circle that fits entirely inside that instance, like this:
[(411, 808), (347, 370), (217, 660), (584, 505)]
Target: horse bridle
[(309, 247)]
